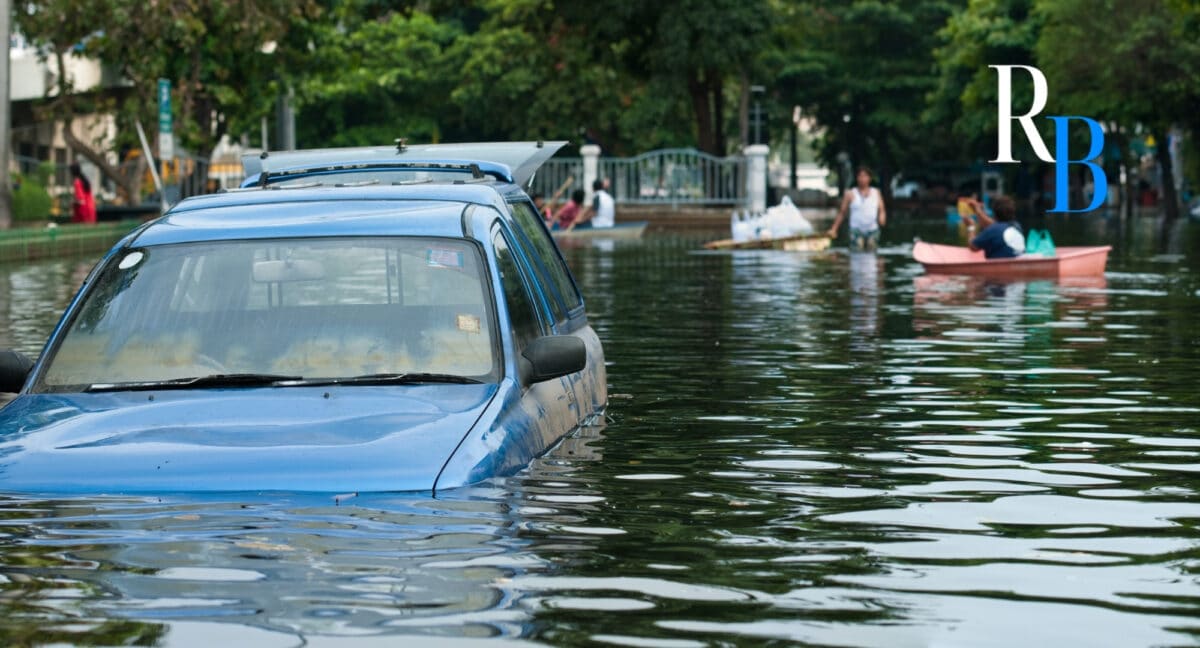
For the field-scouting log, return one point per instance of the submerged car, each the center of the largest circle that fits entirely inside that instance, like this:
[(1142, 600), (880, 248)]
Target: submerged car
[(331, 336)]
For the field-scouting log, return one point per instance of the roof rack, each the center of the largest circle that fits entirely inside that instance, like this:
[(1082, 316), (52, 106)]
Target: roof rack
[(476, 172)]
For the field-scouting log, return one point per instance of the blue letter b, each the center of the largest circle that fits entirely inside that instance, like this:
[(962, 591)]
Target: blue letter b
[(1062, 160)]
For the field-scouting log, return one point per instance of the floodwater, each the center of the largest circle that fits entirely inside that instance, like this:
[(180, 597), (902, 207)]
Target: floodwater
[(825, 449)]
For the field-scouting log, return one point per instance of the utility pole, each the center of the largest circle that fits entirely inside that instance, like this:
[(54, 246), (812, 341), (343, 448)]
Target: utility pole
[(5, 115)]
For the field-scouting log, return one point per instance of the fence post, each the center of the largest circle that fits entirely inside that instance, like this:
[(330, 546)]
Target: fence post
[(591, 167), (756, 176)]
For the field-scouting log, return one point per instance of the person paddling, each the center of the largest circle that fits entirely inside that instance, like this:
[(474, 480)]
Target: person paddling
[(1000, 238)]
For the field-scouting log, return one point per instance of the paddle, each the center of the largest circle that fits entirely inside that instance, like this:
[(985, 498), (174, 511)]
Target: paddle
[(566, 183)]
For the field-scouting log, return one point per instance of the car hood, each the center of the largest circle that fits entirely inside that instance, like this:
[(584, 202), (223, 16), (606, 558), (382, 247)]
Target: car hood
[(329, 439)]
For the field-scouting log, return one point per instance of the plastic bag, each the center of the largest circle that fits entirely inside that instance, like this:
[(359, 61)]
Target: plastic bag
[(1039, 242)]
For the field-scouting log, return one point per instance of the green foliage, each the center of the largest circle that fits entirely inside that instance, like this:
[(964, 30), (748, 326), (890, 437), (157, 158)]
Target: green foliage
[(30, 200), (44, 172), (369, 80), (1146, 69), (896, 84), (684, 51), (863, 70), (986, 32), (212, 50)]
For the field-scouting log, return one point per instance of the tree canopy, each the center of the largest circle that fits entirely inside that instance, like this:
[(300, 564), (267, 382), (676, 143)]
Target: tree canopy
[(899, 85)]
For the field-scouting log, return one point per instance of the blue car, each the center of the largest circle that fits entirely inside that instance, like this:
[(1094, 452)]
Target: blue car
[(356, 320)]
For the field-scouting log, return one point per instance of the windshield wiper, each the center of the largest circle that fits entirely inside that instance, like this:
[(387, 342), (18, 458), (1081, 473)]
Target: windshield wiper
[(395, 379), (213, 380)]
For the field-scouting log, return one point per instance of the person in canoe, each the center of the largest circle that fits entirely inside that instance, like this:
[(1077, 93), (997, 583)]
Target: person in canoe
[(547, 207), (867, 213), (566, 215), (601, 212), (1001, 238)]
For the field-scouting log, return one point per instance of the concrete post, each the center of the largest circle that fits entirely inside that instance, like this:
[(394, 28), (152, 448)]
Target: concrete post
[(756, 176), (591, 168)]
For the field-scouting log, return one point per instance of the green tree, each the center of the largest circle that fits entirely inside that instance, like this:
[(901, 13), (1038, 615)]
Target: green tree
[(863, 70), (214, 51), (368, 75), (691, 49), (490, 69), (1134, 62), (986, 32)]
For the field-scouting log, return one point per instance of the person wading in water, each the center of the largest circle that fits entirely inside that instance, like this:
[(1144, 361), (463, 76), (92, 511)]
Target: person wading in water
[(867, 213)]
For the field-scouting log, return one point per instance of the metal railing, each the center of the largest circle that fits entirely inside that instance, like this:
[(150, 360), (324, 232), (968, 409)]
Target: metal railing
[(553, 175), (665, 176)]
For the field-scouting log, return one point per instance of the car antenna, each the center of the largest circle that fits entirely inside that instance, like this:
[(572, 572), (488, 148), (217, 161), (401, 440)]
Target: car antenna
[(262, 178), (541, 144), (401, 145)]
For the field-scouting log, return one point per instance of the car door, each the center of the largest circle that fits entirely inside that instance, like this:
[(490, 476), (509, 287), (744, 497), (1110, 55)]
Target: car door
[(547, 409), (563, 301)]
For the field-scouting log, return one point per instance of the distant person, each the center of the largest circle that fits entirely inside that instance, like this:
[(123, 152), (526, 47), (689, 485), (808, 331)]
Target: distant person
[(602, 211), (1000, 238), (867, 213), (544, 210), (566, 215), (83, 205)]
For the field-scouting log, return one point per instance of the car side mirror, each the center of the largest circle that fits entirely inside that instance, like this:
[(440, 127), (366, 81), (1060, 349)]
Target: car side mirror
[(552, 356), (14, 369)]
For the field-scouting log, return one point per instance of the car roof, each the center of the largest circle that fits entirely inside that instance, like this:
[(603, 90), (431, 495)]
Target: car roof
[(514, 162), (322, 211)]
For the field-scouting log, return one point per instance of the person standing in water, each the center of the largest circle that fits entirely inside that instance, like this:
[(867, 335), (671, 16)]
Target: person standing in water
[(867, 213)]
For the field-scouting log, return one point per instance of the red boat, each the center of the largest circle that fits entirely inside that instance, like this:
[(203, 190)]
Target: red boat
[(1068, 262)]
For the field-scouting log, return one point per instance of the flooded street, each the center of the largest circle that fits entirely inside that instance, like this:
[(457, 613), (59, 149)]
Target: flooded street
[(828, 448)]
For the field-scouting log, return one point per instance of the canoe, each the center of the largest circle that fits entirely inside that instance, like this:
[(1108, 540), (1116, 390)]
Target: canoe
[(1069, 262), (631, 230), (802, 243)]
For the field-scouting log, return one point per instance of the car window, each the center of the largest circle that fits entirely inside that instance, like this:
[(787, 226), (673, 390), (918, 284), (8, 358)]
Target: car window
[(324, 308), (549, 263), (522, 312)]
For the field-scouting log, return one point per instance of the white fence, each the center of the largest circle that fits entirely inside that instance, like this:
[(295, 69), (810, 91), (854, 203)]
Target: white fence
[(662, 177)]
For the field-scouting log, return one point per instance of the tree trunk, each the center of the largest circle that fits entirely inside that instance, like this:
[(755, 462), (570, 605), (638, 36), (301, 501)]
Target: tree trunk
[(63, 106), (716, 89), (1162, 153), (698, 90), (124, 186), (744, 111)]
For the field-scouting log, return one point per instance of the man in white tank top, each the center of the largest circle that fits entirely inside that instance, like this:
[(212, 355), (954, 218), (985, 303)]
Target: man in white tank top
[(867, 213), (601, 213)]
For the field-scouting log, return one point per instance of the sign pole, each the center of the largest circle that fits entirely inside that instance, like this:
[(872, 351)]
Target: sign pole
[(5, 117), (166, 136)]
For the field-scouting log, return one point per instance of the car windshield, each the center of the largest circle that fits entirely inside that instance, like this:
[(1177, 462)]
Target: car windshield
[(296, 308)]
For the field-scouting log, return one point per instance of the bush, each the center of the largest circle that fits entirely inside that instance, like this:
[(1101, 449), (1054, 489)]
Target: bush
[(43, 173), (30, 200)]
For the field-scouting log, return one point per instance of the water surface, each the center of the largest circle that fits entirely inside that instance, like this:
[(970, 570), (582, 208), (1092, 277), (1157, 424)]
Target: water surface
[(832, 449)]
